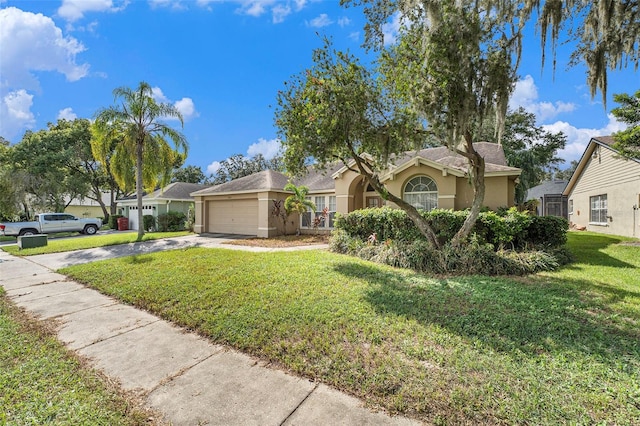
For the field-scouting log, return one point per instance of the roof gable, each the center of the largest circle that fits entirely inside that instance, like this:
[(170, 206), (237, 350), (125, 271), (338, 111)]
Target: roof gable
[(598, 141)]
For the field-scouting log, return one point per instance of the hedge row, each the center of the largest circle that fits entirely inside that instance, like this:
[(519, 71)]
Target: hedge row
[(510, 228), (473, 258)]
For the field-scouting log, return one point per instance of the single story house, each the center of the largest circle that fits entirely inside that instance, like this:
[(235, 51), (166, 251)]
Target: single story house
[(429, 178), (174, 197), (86, 207), (604, 191), (551, 202)]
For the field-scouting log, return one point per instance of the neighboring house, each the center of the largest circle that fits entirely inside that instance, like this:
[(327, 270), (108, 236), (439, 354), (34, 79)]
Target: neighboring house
[(86, 207), (430, 178), (604, 191), (551, 202), (173, 197)]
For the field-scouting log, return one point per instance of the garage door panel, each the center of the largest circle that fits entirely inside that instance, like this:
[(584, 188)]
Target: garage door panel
[(233, 216)]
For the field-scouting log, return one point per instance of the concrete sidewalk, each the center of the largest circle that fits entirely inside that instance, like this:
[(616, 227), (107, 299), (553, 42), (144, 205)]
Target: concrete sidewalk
[(182, 375)]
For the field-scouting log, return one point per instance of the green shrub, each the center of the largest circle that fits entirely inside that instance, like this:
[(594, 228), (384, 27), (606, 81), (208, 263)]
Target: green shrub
[(113, 220), (547, 231), (508, 229), (171, 221), (149, 222)]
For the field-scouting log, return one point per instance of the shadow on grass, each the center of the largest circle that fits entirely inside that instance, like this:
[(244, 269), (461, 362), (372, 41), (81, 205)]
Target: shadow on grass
[(587, 249), (530, 318)]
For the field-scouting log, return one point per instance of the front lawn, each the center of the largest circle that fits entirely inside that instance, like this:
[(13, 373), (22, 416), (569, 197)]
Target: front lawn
[(561, 347), (79, 243), (42, 383)]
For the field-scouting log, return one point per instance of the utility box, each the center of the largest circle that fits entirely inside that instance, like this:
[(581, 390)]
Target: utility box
[(31, 241)]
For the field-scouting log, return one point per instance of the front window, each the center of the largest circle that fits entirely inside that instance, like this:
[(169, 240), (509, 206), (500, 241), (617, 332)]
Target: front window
[(422, 193), (323, 203), (598, 211)]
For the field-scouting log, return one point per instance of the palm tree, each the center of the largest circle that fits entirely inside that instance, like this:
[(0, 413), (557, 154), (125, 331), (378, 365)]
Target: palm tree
[(136, 124), (298, 201)]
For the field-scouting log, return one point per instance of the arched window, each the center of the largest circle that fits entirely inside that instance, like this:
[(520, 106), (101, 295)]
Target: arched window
[(422, 193)]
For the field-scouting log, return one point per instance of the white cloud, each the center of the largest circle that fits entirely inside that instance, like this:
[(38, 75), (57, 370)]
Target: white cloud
[(355, 36), (32, 42), (525, 95), (15, 111), (158, 96), (67, 114), (185, 105), (279, 9), (391, 29), (344, 21), (578, 138), (213, 168), (280, 12), (320, 21), (187, 108), (72, 10), (268, 148)]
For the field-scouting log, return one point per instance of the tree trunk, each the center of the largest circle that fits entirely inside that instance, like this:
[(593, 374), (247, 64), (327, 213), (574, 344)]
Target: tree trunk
[(476, 169), (139, 189)]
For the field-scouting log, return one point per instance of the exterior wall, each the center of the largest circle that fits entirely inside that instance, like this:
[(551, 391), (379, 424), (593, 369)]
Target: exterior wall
[(445, 182), (617, 178), (270, 225), (84, 211)]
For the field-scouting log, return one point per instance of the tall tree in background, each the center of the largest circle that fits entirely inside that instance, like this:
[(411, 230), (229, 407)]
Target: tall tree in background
[(189, 174), (528, 147), (627, 142), (142, 138), (566, 173), (238, 166), (41, 163)]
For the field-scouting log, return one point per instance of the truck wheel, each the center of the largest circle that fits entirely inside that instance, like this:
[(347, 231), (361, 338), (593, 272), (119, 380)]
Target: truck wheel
[(25, 232), (90, 229)]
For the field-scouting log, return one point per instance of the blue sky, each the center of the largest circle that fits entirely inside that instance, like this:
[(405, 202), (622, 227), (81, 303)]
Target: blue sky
[(221, 63)]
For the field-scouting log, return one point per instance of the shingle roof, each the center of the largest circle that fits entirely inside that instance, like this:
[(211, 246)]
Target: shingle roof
[(320, 180), (176, 191), (549, 187), (267, 180)]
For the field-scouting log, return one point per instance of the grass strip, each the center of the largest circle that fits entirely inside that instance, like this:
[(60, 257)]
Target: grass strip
[(43, 383), (560, 347), (87, 242)]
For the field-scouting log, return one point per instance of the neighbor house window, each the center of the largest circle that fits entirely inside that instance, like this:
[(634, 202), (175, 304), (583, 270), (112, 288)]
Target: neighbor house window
[(570, 206), (422, 193), (321, 201), (598, 211)]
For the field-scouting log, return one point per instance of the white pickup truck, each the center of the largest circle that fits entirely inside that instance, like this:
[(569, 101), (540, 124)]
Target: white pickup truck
[(50, 223)]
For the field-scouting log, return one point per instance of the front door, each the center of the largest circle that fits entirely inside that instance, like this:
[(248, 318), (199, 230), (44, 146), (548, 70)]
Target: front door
[(374, 202)]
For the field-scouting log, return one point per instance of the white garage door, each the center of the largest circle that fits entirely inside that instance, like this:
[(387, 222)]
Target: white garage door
[(233, 216)]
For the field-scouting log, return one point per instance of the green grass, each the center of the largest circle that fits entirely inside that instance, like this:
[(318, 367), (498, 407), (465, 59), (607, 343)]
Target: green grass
[(555, 348), (42, 383), (86, 242)]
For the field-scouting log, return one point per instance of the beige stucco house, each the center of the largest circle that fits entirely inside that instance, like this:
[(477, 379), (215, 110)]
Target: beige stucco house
[(429, 178), (604, 191)]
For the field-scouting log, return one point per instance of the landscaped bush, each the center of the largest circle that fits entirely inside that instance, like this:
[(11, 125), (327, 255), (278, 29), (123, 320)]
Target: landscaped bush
[(113, 220), (505, 243), (149, 222), (171, 221)]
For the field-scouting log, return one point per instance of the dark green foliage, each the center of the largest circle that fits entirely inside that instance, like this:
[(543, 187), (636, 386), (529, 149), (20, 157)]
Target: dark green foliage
[(113, 220), (510, 228), (547, 231), (387, 235), (172, 221), (473, 258), (149, 222)]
